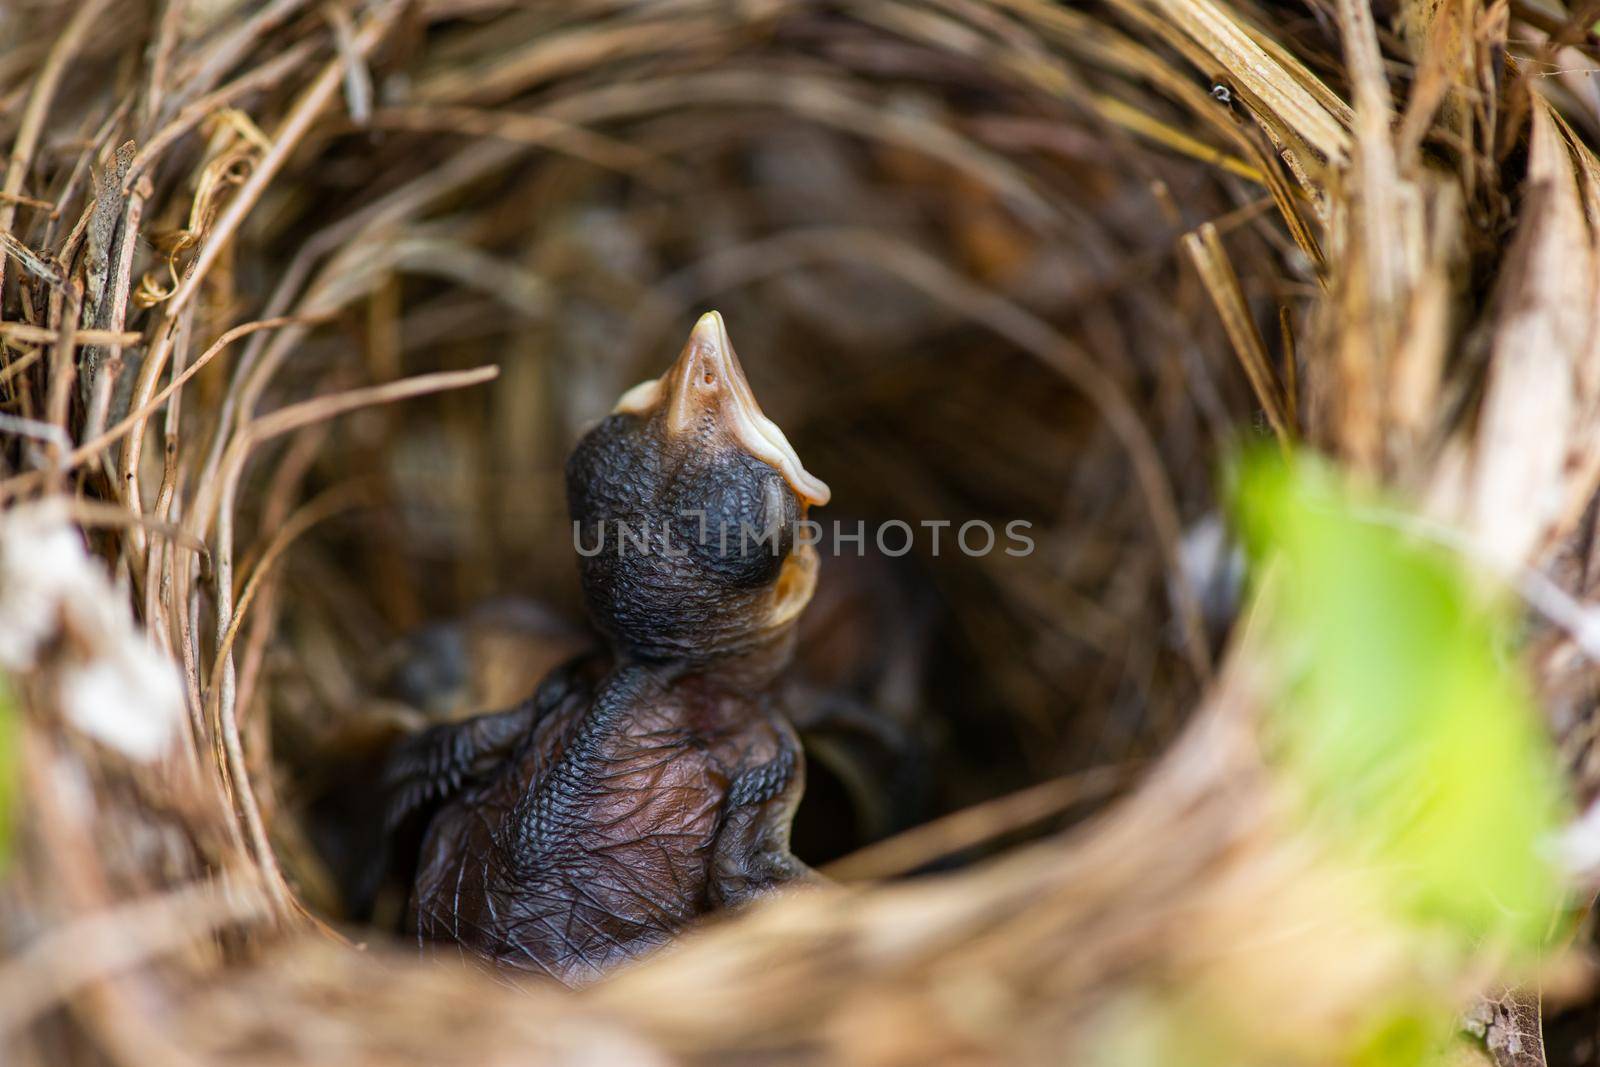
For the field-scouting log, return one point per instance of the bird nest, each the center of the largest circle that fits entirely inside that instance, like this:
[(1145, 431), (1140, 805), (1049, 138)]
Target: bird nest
[(304, 304)]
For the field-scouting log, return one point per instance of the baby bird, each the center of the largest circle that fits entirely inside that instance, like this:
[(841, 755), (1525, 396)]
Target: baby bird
[(649, 784)]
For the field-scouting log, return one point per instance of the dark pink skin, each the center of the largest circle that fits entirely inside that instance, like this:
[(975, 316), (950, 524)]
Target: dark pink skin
[(639, 791), (633, 804)]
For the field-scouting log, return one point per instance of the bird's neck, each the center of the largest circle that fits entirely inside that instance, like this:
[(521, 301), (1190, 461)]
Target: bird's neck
[(750, 669)]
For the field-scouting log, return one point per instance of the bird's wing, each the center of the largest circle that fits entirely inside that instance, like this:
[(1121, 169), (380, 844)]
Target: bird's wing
[(427, 769), (438, 763)]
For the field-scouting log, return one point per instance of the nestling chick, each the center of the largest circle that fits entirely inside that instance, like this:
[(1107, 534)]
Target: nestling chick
[(643, 787)]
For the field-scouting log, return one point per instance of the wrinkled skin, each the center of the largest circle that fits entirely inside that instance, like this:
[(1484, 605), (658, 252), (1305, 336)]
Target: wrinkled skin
[(622, 807), (644, 787)]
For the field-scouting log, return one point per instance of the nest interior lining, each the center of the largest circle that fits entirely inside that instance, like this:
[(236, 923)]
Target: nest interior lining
[(952, 242)]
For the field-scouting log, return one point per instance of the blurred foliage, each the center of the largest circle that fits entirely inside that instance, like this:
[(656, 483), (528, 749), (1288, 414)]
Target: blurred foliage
[(1407, 718), (1404, 1037)]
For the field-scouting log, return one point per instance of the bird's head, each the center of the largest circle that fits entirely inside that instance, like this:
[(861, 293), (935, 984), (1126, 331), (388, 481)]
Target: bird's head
[(686, 503)]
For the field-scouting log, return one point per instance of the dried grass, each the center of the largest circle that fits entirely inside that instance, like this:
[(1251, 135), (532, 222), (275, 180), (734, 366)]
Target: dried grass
[(988, 259)]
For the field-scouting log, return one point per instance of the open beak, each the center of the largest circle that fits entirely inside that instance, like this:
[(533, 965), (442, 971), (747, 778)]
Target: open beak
[(706, 387)]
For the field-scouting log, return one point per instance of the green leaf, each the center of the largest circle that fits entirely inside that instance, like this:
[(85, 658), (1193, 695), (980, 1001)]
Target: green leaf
[(1405, 717)]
